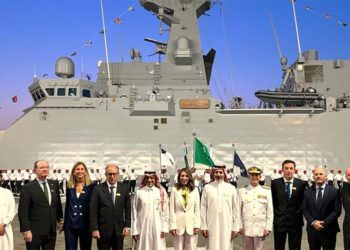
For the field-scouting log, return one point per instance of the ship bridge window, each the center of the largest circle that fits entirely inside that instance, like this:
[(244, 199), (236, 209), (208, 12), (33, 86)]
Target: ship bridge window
[(86, 93), (41, 93), (50, 91), (72, 91), (61, 92), (34, 97), (313, 73)]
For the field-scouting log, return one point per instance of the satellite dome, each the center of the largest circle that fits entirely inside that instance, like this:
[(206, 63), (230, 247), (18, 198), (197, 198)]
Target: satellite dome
[(64, 67)]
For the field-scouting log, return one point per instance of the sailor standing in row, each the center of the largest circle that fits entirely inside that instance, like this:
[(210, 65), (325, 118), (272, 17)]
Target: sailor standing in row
[(6, 180), (256, 211), (330, 177)]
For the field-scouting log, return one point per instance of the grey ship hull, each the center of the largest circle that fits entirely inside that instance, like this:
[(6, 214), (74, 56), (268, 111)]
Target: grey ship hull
[(97, 136)]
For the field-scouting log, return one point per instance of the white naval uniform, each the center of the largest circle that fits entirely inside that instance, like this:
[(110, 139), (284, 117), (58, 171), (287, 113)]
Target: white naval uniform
[(256, 211), (219, 214), (149, 219), (184, 219), (7, 212)]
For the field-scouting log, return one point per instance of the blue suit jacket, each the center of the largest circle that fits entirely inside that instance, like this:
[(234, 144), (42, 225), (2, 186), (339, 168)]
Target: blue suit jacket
[(77, 209)]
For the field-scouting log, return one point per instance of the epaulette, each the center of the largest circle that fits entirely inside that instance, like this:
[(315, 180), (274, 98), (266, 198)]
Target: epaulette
[(266, 187)]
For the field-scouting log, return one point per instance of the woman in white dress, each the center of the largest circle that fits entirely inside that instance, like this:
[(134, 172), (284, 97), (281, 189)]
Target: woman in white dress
[(184, 212), (7, 212), (150, 214)]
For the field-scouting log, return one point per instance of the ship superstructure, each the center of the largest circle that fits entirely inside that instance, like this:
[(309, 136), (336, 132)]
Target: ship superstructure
[(135, 106)]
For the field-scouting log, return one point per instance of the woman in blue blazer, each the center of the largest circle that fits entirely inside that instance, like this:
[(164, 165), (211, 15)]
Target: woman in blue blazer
[(76, 219)]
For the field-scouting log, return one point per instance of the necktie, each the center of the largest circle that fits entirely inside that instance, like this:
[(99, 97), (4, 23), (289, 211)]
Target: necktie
[(112, 194), (46, 192), (319, 197), (288, 189)]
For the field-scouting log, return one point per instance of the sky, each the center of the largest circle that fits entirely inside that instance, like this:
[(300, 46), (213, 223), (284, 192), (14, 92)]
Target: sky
[(34, 33)]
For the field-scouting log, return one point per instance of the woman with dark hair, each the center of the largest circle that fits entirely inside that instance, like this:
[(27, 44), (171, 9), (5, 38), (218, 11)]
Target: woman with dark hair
[(184, 212), (76, 219)]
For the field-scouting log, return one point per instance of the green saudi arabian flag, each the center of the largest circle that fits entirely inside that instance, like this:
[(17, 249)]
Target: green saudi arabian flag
[(201, 154)]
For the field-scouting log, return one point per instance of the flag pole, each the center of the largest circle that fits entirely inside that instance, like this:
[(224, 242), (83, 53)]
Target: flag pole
[(193, 151), (160, 157), (233, 156)]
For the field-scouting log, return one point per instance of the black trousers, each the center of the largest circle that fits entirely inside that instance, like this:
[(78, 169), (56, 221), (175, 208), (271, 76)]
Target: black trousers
[(324, 240), (113, 242), (346, 235), (294, 239), (42, 242), (132, 186)]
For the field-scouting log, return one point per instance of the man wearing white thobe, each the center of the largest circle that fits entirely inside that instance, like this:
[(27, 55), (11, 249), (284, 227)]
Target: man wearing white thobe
[(150, 214), (7, 212), (219, 211)]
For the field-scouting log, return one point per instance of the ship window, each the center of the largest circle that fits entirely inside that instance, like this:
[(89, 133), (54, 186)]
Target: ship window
[(50, 91), (42, 95), (155, 127), (156, 120), (61, 91), (313, 73), (37, 95), (34, 97), (86, 93), (163, 121), (211, 120), (72, 91)]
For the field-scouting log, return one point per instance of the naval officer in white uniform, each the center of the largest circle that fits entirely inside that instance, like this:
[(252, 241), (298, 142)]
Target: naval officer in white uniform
[(256, 211)]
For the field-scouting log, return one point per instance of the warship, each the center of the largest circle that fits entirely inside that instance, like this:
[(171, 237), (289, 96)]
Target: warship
[(134, 107)]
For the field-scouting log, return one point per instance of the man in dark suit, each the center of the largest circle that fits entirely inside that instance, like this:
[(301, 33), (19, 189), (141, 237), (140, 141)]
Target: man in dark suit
[(321, 208), (40, 209), (110, 212), (345, 193), (287, 196)]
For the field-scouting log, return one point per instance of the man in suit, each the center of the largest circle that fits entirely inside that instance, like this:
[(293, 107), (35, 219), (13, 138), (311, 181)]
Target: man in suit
[(40, 209), (110, 212), (287, 196), (345, 193), (321, 208)]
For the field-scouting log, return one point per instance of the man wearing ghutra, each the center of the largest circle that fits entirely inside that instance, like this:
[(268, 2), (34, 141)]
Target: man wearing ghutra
[(219, 211), (150, 214)]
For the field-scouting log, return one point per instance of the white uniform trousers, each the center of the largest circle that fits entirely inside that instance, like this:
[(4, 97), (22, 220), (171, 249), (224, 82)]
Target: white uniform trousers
[(253, 243), (185, 242)]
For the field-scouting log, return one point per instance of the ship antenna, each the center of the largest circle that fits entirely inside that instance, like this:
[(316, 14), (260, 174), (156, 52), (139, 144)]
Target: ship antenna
[(105, 41), (296, 27), (275, 36), (35, 76)]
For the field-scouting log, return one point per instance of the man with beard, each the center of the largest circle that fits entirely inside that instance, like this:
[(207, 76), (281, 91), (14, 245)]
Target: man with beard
[(219, 211), (150, 214)]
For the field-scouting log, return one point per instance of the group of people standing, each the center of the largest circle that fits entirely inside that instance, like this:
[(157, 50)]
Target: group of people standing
[(220, 213)]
